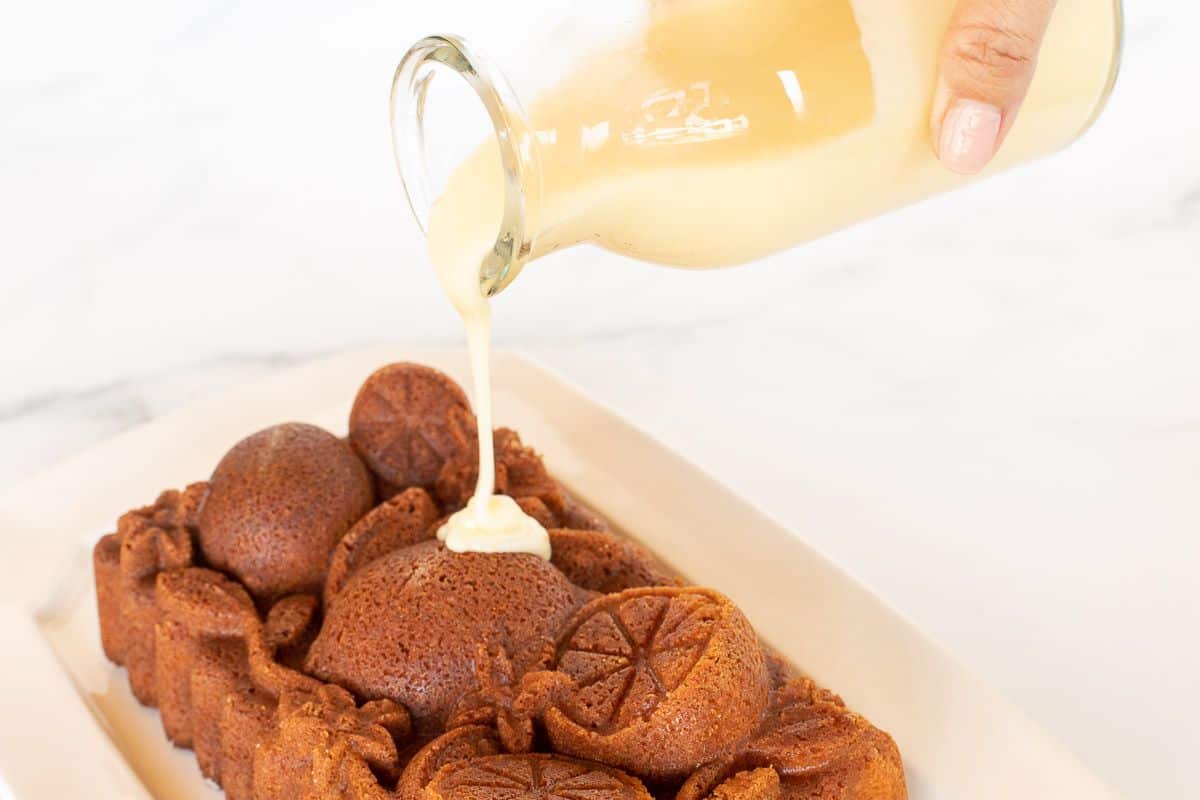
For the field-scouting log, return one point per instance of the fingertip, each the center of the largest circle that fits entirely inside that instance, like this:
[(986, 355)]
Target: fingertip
[(969, 135)]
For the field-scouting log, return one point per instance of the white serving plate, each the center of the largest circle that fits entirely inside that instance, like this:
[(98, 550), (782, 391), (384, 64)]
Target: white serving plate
[(69, 726)]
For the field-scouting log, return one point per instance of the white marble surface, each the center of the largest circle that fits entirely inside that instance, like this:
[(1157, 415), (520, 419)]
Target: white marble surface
[(193, 195)]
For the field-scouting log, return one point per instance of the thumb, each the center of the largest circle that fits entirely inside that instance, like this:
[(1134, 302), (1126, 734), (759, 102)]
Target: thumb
[(987, 64)]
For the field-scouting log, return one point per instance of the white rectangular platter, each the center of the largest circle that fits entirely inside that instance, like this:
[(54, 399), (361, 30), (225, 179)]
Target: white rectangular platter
[(69, 726)]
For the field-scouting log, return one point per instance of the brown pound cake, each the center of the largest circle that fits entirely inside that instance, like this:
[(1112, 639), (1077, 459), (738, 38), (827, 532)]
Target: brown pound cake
[(218, 672), (520, 474), (599, 654), (199, 611), (407, 421), (323, 746), (532, 776), (820, 750), (755, 784), (666, 679), (604, 562), (147, 542), (246, 720), (405, 519), (459, 744), (408, 625), (279, 502)]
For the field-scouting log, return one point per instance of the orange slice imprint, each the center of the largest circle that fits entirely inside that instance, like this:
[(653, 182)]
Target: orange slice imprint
[(663, 679), (536, 775), (407, 421), (460, 744), (627, 659)]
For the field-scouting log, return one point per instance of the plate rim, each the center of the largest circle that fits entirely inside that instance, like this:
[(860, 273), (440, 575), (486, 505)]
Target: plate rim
[(48, 568)]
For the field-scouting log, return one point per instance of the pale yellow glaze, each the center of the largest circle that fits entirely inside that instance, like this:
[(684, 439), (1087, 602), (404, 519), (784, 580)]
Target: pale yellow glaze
[(719, 131)]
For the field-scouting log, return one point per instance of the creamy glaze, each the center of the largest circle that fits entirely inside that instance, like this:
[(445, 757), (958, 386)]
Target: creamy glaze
[(495, 525), (490, 523), (719, 131)]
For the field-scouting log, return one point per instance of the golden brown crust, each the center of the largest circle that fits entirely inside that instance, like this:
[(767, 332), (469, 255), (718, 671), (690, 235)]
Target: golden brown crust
[(147, 542), (407, 626), (578, 517), (322, 745), (754, 784), (408, 421), (532, 775), (246, 720), (666, 679), (872, 772), (279, 502), (603, 562), (459, 744), (525, 472), (520, 474), (599, 654), (539, 511), (573, 516), (820, 749), (404, 520)]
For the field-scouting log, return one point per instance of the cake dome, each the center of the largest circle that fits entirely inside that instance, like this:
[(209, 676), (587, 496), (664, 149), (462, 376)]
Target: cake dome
[(278, 503), (410, 625)]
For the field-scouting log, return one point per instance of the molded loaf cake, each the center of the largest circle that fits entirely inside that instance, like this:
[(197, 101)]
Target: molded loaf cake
[(307, 642)]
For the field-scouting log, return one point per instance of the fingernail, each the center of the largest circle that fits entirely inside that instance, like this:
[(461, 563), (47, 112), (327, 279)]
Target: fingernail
[(969, 132)]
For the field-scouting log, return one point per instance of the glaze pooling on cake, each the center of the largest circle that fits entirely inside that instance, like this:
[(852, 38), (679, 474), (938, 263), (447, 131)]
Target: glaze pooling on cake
[(495, 524), (408, 671)]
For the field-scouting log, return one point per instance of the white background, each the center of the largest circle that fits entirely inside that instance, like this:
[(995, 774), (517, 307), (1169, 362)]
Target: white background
[(996, 392)]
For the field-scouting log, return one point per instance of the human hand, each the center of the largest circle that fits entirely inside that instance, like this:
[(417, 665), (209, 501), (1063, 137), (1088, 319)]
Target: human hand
[(987, 64)]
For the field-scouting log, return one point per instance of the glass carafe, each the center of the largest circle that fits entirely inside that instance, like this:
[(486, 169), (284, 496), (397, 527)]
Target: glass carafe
[(701, 133)]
